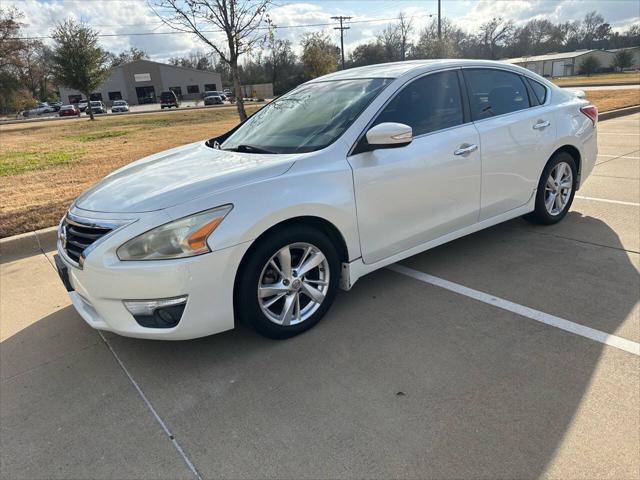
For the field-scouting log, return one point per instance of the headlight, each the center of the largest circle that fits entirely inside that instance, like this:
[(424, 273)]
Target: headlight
[(182, 238)]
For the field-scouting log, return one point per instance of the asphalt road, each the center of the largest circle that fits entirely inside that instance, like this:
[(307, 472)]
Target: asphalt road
[(407, 377)]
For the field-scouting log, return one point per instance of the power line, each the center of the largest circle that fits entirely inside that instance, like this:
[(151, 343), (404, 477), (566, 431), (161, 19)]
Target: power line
[(135, 34), (342, 28)]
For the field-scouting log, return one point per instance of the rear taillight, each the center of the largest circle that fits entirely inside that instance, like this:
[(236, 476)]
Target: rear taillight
[(591, 112)]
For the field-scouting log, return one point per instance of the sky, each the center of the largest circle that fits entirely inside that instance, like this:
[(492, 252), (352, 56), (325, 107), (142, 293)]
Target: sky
[(120, 18)]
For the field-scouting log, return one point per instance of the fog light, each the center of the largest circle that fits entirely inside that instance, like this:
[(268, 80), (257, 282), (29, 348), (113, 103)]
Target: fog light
[(160, 313)]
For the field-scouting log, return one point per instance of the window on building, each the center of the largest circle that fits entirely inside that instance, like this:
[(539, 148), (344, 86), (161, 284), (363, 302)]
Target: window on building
[(96, 97), (495, 92), (75, 98), (428, 104), (193, 89), (209, 87), (115, 96), (177, 91)]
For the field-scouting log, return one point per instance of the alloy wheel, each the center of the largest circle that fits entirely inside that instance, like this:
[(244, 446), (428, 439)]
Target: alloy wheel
[(293, 284), (558, 188)]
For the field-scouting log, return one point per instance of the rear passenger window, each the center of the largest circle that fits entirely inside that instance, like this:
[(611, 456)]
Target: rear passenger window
[(539, 90), (428, 104), (495, 92)]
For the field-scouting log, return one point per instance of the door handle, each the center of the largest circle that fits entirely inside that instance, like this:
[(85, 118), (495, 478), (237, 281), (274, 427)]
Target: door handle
[(541, 124), (465, 148)]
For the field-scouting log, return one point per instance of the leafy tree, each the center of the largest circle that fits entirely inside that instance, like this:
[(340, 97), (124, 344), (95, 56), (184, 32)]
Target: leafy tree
[(623, 59), (245, 24), (78, 60), (319, 55), (368, 54), (589, 65), (429, 46)]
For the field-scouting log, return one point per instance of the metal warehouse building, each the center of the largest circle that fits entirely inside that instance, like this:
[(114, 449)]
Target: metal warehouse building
[(562, 64), (142, 82)]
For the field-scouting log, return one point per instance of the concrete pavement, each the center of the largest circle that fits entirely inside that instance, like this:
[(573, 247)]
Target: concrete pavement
[(401, 379)]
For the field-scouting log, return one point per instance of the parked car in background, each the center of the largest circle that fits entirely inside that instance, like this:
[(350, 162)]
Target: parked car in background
[(168, 99), (119, 106), (343, 175), (212, 98), (55, 105), (82, 105), (97, 106), (44, 107), (69, 111)]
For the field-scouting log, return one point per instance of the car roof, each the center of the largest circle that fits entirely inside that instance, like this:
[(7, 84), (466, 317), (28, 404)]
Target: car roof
[(398, 69)]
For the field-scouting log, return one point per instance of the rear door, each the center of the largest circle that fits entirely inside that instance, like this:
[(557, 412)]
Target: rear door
[(409, 195), (515, 135)]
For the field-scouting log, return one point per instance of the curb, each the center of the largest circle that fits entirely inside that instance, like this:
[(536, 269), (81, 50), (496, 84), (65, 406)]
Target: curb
[(31, 243), (618, 113), (28, 244)]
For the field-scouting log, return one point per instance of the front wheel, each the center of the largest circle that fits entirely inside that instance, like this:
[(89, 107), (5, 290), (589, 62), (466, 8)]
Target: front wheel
[(556, 190), (288, 282)]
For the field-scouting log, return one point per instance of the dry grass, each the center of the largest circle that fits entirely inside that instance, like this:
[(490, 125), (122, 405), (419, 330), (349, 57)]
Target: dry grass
[(36, 191), (607, 100), (609, 78)]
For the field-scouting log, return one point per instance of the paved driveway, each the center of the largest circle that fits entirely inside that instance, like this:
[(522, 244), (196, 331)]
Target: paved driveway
[(506, 354)]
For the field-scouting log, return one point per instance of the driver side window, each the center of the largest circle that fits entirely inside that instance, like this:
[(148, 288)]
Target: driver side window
[(427, 104)]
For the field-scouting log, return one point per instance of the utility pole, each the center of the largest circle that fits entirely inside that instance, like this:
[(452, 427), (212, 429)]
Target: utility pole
[(342, 29), (439, 22)]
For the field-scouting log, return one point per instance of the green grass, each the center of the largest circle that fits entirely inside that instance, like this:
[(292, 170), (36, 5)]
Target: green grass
[(13, 163), (90, 137)]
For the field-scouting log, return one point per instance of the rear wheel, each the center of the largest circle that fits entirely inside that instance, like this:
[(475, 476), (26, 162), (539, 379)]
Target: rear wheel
[(288, 282), (556, 190)]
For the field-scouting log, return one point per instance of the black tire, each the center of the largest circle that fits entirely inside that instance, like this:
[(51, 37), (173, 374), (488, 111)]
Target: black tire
[(246, 301), (541, 215)]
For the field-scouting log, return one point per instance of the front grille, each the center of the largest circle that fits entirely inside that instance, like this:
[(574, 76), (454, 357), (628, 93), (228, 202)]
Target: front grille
[(76, 237)]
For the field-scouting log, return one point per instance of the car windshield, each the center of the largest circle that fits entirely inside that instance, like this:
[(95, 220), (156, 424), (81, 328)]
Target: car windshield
[(95, 104), (309, 118), (119, 102), (210, 94)]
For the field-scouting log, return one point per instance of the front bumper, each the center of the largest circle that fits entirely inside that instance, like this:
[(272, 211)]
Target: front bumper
[(99, 288)]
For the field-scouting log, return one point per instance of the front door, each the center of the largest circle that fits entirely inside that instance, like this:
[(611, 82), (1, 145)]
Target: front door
[(146, 95), (410, 195)]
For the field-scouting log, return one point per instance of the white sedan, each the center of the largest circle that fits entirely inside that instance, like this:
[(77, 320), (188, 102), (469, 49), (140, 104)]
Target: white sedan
[(344, 175)]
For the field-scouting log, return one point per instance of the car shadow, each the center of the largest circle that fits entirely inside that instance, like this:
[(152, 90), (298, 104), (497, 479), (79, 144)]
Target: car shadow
[(401, 379)]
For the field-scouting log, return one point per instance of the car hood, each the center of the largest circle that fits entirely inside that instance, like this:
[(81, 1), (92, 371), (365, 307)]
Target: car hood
[(178, 175)]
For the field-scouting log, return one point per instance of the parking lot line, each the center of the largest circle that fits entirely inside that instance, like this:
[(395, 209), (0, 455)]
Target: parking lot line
[(629, 157), (151, 409), (606, 200), (552, 320)]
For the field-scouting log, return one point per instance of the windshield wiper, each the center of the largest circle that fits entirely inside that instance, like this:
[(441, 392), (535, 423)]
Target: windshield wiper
[(250, 149)]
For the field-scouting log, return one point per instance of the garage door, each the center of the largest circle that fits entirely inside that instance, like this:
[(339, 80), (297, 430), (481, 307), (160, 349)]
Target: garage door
[(558, 68)]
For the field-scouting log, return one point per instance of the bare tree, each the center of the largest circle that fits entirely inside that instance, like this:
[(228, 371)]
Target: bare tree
[(405, 29), (494, 33), (245, 24)]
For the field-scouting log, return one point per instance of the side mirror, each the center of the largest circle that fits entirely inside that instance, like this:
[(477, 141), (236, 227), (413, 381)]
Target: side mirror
[(389, 135)]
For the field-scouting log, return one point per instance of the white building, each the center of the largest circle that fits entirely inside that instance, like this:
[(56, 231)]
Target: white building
[(562, 64)]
